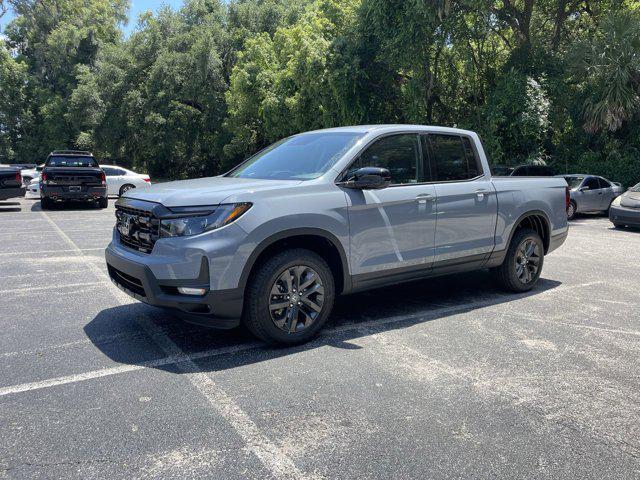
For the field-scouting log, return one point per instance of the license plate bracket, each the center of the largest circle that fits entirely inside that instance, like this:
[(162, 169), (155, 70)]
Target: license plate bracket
[(75, 188)]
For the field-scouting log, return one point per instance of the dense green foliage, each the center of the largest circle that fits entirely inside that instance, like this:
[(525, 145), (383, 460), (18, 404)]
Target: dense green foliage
[(194, 91)]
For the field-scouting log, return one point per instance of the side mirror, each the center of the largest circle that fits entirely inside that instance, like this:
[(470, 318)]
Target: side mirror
[(583, 189), (368, 178)]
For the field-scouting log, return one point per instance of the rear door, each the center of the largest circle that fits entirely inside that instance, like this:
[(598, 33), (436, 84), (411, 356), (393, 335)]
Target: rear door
[(608, 193), (115, 179), (392, 228), (467, 206)]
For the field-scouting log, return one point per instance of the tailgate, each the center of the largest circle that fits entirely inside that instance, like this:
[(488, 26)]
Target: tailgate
[(74, 177)]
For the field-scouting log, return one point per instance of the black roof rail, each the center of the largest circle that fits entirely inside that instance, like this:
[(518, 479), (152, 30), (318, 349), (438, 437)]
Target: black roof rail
[(71, 152)]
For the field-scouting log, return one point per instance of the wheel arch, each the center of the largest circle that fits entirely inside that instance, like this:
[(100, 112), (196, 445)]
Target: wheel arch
[(536, 220), (317, 240)]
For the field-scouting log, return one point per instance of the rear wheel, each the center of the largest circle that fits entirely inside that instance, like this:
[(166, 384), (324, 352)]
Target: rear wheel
[(46, 203), (103, 202), (289, 297), (522, 266), (571, 211)]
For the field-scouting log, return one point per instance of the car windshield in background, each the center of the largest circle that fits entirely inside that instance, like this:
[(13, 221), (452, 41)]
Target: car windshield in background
[(71, 161), (302, 157), (574, 181), (635, 188)]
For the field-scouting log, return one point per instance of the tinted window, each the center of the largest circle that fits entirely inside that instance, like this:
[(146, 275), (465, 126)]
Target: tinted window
[(112, 172), (71, 161), (473, 161), (398, 153), (450, 159), (604, 183), (592, 183), (302, 157)]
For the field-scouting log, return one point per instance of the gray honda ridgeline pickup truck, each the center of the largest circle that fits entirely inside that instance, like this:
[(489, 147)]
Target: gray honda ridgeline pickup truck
[(271, 243)]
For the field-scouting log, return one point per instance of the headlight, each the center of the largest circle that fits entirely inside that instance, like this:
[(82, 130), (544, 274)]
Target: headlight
[(616, 202), (195, 220)]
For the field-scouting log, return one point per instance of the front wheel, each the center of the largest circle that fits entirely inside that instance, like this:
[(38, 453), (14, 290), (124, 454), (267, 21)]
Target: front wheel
[(290, 297), (522, 266)]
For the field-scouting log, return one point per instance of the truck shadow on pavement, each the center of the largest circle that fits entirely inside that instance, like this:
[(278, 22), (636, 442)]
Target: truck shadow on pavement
[(10, 207), (70, 206), (118, 332)]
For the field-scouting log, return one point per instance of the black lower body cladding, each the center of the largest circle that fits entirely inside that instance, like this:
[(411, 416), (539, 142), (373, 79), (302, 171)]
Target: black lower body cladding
[(217, 309)]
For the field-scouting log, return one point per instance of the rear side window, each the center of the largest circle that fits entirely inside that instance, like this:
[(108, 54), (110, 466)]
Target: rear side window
[(113, 172), (453, 158), (398, 153), (604, 183)]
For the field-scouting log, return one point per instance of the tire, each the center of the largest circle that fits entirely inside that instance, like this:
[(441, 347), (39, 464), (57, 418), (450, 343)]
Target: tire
[(571, 213), (273, 326), (46, 203), (103, 202), (523, 279), (619, 226), (125, 188)]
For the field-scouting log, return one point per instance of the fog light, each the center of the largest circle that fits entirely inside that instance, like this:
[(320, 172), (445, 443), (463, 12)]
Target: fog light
[(192, 291)]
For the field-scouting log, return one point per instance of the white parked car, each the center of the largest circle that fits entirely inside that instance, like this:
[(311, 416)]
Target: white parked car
[(119, 180), (29, 174)]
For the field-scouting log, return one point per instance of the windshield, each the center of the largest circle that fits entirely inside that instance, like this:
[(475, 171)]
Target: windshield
[(635, 188), (574, 182), (302, 157), (71, 161)]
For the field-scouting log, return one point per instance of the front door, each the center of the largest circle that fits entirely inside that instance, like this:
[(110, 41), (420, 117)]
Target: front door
[(589, 196), (467, 203), (392, 228)]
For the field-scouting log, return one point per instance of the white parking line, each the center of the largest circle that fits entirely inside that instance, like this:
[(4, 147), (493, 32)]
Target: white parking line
[(273, 458), (40, 252)]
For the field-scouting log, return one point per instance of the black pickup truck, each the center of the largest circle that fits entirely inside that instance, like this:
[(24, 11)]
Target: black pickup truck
[(71, 175), (10, 183)]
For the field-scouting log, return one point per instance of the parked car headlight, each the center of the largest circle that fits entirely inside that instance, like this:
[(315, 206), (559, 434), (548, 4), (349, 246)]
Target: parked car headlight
[(195, 220), (616, 201)]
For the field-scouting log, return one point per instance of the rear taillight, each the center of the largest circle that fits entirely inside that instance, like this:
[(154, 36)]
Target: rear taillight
[(567, 198), (146, 179), (19, 177), (43, 177), (103, 178)]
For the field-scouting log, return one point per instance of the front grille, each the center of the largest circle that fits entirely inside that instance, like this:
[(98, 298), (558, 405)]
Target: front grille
[(126, 281), (137, 229)]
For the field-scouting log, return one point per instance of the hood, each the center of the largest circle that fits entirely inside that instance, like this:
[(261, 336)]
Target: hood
[(203, 191), (630, 200)]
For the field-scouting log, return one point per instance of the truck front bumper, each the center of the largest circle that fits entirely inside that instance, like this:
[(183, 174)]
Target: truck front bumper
[(7, 193), (64, 192), (218, 309)]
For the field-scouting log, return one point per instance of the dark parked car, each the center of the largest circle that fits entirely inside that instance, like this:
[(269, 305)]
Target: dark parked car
[(72, 175), (625, 210), (10, 182)]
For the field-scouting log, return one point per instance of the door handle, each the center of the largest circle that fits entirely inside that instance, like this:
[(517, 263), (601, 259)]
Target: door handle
[(481, 193), (424, 198)]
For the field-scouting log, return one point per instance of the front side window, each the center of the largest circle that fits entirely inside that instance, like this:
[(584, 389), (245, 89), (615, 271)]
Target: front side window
[(397, 153), (301, 157), (574, 182), (592, 183), (450, 158)]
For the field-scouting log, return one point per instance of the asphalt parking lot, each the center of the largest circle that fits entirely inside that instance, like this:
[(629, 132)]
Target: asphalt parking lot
[(446, 378)]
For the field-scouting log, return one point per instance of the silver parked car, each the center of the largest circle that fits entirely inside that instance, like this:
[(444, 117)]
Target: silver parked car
[(590, 193)]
